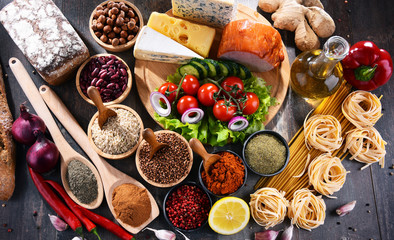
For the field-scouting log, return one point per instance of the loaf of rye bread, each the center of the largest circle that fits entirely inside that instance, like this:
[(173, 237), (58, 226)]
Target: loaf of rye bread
[(7, 147), (45, 37)]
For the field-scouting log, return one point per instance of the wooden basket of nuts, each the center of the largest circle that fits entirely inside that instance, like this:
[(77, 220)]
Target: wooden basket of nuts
[(114, 25)]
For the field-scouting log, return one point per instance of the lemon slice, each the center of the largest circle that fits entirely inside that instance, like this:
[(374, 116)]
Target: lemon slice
[(229, 215)]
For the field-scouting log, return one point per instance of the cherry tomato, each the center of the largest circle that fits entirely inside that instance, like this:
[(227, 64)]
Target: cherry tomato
[(231, 83), (251, 105), (185, 103), (190, 85), (222, 112), (205, 94), (168, 87)]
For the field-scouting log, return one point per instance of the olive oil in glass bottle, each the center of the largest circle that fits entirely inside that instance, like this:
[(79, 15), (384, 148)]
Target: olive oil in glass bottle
[(317, 74)]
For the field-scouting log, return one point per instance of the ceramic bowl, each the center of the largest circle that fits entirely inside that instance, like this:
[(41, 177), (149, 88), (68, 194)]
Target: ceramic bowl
[(280, 138), (201, 169), (121, 47), (118, 99), (188, 183), (118, 156), (156, 184)]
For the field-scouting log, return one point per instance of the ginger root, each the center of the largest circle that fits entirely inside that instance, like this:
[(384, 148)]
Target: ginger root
[(290, 15)]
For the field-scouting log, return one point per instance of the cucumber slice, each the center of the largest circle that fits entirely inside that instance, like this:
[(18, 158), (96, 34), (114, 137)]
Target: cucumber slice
[(226, 69), (235, 68), (203, 65), (214, 68), (191, 69), (244, 72)]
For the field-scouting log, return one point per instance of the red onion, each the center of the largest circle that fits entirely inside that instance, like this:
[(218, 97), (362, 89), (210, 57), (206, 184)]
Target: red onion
[(198, 115), (238, 123), (25, 125), (155, 98), (43, 155)]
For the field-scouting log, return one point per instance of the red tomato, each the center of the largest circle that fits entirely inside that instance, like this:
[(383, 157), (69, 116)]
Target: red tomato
[(222, 112), (166, 88), (190, 85), (251, 105), (231, 83), (185, 103), (205, 94)]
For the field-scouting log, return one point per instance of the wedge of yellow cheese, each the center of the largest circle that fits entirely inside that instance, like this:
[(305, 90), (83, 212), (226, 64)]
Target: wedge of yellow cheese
[(196, 37)]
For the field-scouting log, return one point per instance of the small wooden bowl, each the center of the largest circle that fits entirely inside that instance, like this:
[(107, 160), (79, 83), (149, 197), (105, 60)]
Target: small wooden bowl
[(122, 47), (125, 154), (138, 163), (117, 100)]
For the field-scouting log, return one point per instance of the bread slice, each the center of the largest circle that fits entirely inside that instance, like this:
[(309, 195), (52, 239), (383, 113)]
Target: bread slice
[(7, 147)]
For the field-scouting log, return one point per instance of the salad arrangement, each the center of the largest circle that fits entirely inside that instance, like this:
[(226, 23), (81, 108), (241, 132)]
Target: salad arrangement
[(216, 102)]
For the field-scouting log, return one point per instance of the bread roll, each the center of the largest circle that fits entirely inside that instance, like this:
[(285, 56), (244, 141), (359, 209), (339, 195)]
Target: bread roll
[(7, 147), (253, 44)]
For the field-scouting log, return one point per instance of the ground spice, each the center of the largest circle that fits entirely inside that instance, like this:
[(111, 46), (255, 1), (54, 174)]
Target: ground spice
[(188, 207), (131, 204), (82, 182), (226, 175), (265, 154), (169, 164)]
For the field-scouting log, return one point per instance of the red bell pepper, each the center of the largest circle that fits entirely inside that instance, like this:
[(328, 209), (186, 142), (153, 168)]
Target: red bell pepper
[(367, 67)]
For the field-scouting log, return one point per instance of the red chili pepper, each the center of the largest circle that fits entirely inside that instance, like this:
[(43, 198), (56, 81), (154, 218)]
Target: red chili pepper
[(367, 67), (107, 224), (91, 227), (56, 204)]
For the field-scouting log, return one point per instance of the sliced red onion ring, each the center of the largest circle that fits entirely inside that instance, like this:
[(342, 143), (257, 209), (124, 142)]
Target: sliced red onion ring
[(155, 102), (238, 124), (198, 115)]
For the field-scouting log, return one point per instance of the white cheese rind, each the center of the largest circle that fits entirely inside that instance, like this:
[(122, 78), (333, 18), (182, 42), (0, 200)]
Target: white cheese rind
[(154, 46), (216, 13)]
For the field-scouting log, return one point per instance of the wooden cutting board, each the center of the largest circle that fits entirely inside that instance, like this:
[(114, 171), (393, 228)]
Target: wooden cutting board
[(150, 75)]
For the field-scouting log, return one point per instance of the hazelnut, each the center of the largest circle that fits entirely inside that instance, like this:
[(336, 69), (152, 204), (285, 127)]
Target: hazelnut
[(123, 34), (106, 10), (126, 20), (130, 13), (98, 34), (114, 10), (117, 29), (131, 25), (104, 38), (100, 26), (107, 29), (124, 8), (99, 8), (136, 18), (110, 4), (94, 26), (115, 42), (101, 19), (113, 16), (121, 14), (124, 27), (135, 30), (111, 35), (110, 21), (116, 5), (119, 21), (130, 37), (122, 40), (98, 13)]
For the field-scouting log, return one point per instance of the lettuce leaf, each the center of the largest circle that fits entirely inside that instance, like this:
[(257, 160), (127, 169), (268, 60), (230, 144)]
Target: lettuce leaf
[(216, 133)]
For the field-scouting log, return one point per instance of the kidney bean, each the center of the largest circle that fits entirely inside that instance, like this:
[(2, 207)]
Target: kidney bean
[(99, 82), (95, 72), (115, 76), (123, 71), (124, 87), (111, 86)]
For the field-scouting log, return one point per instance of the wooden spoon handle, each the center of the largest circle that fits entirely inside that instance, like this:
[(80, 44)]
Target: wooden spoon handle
[(150, 137), (198, 148), (94, 94), (30, 89)]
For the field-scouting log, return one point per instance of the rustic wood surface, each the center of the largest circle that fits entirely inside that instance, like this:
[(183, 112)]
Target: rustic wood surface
[(373, 216)]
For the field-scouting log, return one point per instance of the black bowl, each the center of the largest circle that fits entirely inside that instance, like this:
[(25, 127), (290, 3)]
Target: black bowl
[(280, 138), (188, 183), (201, 168)]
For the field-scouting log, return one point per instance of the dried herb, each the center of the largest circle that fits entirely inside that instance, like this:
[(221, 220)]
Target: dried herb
[(82, 182)]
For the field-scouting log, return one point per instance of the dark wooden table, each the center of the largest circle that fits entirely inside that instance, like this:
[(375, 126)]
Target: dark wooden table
[(373, 216)]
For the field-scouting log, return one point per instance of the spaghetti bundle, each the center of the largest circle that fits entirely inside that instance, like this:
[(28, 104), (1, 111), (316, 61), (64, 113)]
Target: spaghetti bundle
[(326, 174), (366, 146), (306, 210), (323, 132), (268, 207), (362, 108)]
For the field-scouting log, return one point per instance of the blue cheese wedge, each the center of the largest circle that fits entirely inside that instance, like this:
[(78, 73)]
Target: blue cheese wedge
[(154, 46), (216, 13)]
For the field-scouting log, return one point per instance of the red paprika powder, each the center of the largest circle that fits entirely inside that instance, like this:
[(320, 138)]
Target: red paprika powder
[(226, 175)]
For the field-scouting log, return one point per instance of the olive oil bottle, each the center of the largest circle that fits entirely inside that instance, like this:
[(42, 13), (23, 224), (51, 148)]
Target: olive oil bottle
[(317, 74)]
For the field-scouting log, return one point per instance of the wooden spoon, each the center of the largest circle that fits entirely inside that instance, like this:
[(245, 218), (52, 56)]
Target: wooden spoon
[(150, 137), (66, 151), (111, 177), (208, 159), (104, 112)]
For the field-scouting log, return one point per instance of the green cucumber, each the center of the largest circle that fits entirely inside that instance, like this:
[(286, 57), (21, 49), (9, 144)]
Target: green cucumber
[(244, 72), (226, 69), (235, 67), (203, 65), (191, 69), (214, 68)]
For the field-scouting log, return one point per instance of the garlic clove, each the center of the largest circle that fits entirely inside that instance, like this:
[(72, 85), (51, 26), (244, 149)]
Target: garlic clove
[(345, 209), (58, 223), (288, 233), (163, 234), (266, 235)]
